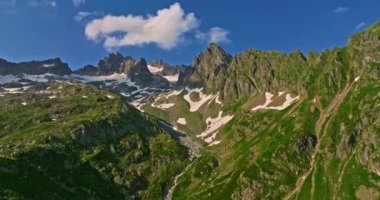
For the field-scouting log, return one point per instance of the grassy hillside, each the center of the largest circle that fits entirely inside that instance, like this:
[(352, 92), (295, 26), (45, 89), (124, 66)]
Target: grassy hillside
[(324, 146), (73, 141)]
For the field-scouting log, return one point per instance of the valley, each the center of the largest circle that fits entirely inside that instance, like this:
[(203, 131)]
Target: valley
[(255, 125)]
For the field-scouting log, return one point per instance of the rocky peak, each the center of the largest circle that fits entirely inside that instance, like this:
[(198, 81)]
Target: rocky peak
[(128, 63), (112, 63), (158, 63), (210, 67), (52, 66), (140, 74), (87, 70), (139, 68), (214, 57)]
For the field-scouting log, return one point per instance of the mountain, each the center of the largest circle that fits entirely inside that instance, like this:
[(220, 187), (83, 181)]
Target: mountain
[(66, 140), (52, 66), (256, 125)]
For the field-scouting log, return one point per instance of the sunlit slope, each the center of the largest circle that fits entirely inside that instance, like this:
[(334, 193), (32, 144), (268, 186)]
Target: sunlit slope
[(64, 140)]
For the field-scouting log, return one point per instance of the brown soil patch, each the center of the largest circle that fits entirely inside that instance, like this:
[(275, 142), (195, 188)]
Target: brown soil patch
[(364, 193), (194, 96), (278, 101), (255, 101)]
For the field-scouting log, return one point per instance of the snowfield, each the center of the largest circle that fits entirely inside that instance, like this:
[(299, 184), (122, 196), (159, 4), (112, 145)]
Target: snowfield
[(116, 77), (174, 93), (268, 99), (8, 79), (194, 106), (164, 105), (181, 121), (213, 125), (154, 70), (48, 65), (172, 78), (39, 78)]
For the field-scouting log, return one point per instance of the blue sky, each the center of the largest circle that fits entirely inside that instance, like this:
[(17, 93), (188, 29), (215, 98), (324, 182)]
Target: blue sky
[(82, 32)]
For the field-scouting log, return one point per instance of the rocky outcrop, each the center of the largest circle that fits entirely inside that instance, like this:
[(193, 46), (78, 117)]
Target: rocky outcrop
[(87, 70), (110, 64), (140, 74), (209, 68), (52, 66)]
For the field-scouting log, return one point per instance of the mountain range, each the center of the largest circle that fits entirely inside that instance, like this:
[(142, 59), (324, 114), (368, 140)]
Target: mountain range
[(255, 125)]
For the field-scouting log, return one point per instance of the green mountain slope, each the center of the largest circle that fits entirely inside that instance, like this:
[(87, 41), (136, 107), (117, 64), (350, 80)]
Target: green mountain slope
[(272, 126), (323, 146), (73, 141)]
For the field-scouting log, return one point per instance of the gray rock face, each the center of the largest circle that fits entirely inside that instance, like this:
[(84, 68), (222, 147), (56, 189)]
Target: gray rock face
[(111, 64), (53, 66), (87, 70), (209, 68), (140, 74)]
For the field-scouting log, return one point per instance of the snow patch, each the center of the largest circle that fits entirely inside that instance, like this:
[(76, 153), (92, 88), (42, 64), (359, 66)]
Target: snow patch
[(214, 143), (181, 121), (154, 70), (213, 125), (164, 105), (268, 99), (8, 79), (174, 93), (48, 65), (194, 106), (120, 78), (357, 78), (24, 103), (218, 101), (39, 78), (172, 78), (12, 90)]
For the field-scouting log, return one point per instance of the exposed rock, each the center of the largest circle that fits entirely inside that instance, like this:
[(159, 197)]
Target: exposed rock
[(307, 142), (52, 66)]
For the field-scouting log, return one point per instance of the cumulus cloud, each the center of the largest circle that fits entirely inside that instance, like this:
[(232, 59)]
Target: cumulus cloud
[(51, 3), (360, 25), (341, 10), (77, 3), (166, 29), (214, 35)]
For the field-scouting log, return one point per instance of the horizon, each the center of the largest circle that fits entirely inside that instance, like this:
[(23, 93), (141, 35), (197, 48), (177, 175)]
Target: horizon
[(87, 35)]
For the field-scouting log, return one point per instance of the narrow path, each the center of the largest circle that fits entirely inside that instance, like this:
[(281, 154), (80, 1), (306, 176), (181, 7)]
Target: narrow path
[(331, 108), (337, 186)]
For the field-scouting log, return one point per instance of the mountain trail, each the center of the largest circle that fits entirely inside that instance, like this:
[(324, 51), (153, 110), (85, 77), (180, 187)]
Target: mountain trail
[(327, 112)]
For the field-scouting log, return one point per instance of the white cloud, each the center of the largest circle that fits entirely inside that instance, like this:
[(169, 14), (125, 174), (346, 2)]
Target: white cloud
[(360, 25), (81, 15), (341, 10), (166, 29), (214, 35), (77, 3), (51, 3)]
